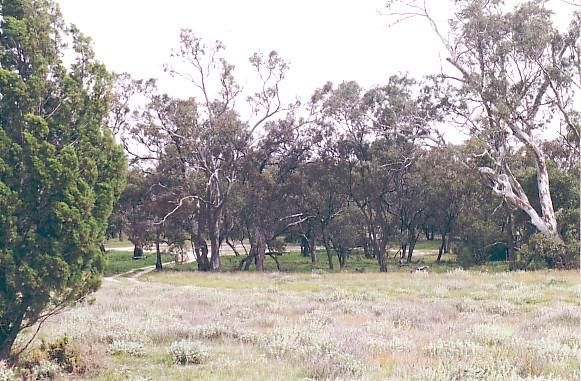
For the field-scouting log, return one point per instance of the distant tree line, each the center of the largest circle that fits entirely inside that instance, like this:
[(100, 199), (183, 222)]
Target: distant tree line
[(358, 169)]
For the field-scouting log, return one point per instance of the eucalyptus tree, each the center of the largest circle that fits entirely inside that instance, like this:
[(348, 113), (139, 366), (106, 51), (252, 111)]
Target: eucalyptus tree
[(206, 132), (346, 128), (449, 186), (269, 190), (511, 74), (378, 134), (324, 197), (345, 233), (132, 208), (60, 169)]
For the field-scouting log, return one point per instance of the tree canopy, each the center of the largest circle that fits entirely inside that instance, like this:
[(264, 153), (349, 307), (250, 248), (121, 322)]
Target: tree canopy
[(60, 169)]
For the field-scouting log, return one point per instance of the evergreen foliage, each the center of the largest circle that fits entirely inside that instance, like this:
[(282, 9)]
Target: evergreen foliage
[(60, 169)]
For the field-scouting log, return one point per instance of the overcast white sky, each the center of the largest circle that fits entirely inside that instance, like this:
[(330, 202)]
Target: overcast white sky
[(324, 40)]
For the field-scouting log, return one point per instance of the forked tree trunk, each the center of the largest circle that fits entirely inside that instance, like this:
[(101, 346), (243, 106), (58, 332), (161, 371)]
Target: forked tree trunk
[(507, 186), (546, 201), (412, 239)]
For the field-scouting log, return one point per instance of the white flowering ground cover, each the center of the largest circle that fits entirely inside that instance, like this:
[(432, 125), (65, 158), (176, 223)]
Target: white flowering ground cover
[(396, 326)]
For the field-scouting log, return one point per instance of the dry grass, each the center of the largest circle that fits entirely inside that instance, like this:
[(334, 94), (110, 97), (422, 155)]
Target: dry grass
[(455, 326)]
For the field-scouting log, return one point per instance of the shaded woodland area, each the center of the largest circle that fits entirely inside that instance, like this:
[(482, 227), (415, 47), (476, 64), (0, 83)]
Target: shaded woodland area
[(360, 170)]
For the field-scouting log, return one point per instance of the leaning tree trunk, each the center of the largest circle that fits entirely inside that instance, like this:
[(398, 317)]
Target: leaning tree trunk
[(506, 185), (412, 239), (10, 325), (232, 245), (442, 248)]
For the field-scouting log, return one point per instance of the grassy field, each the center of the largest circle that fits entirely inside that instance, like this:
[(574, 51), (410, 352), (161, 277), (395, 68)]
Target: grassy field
[(115, 243), (458, 325), (293, 262), (119, 262)]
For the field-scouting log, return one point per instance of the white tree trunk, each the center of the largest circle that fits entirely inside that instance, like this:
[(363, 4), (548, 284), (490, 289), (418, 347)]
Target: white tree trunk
[(505, 185)]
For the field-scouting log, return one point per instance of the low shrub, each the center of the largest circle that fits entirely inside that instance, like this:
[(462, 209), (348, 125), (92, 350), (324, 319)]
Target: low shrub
[(185, 352), (543, 250), (46, 370), (129, 348), (61, 353)]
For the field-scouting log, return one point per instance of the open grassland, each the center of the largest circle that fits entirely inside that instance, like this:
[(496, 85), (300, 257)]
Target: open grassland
[(397, 326)]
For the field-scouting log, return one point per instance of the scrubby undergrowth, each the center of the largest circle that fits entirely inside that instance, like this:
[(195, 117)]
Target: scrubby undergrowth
[(461, 325)]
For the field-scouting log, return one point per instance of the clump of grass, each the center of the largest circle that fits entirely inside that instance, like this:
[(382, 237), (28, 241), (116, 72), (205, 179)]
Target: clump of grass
[(454, 348), (186, 352), (45, 370), (523, 294), (568, 316), (6, 373), (140, 378), (396, 343), (500, 307), (129, 348), (465, 305), (323, 356), (446, 372), (491, 334), (317, 317), (552, 351), (334, 365), (215, 331)]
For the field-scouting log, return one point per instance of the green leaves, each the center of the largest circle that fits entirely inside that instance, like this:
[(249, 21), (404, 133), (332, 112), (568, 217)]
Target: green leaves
[(60, 169)]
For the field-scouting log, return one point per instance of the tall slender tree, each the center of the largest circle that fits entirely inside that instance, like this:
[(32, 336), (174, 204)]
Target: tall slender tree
[(512, 73)]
